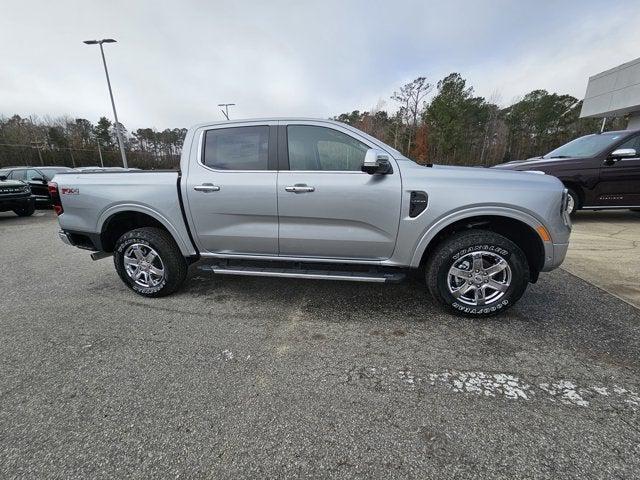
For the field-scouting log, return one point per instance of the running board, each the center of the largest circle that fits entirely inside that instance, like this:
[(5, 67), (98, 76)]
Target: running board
[(378, 277)]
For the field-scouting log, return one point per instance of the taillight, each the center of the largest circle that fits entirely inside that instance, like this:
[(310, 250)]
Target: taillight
[(55, 198)]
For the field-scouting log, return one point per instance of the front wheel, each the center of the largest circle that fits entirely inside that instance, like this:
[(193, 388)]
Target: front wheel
[(149, 262), (477, 273)]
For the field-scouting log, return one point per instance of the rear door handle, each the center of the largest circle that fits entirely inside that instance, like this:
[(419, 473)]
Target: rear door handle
[(206, 187), (299, 188)]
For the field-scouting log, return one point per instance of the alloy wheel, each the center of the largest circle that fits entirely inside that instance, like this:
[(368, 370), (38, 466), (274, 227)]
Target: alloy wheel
[(143, 265), (479, 278)]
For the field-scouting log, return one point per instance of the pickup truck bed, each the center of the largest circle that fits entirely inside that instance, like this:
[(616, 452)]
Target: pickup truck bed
[(94, 199)]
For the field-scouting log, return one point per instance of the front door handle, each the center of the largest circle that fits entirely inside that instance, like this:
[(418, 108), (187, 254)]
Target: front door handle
[(299, 188), (206, 187)]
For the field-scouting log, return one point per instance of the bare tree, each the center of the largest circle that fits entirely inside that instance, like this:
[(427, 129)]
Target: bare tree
[(410, 97)]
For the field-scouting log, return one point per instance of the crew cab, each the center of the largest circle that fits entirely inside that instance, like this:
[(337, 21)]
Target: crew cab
[(601, 171), (319, 199)]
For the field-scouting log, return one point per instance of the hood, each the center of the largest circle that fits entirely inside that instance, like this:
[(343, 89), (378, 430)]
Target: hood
[(478, 175), (536, 163), (12, 183)]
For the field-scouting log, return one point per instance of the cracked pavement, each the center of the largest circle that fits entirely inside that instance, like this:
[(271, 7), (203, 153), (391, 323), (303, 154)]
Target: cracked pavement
[(277, 378)]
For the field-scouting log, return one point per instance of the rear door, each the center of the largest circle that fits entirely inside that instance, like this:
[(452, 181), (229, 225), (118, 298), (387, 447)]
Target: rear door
[(620, 179), (328, 208), (231, 189)]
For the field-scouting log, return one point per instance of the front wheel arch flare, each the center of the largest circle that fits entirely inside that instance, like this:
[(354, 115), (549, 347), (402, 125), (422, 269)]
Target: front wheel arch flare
[(515, 230)]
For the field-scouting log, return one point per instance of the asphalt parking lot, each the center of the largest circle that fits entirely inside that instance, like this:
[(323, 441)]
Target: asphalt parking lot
[(239, 377)]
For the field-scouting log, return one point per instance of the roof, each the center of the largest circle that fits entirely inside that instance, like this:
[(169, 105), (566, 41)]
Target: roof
[(269, 119)]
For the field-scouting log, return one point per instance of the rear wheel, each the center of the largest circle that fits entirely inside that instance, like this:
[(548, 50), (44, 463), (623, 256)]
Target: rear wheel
[(477, 273), (149, 262)]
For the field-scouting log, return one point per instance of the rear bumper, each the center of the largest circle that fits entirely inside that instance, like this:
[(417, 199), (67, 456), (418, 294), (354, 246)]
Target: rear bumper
[(84, 240), (64, 236)]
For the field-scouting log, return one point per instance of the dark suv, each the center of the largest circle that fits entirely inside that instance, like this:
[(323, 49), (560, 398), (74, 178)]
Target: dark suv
[(36, 177), (16, 196), (601, 171)]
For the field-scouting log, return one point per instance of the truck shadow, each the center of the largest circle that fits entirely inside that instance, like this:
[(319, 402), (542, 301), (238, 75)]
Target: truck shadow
[(559, 312)]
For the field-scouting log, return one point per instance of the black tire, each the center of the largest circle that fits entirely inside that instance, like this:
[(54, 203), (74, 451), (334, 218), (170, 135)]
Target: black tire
[(576, 200), (456, 249), (26, 211), (171, 259)]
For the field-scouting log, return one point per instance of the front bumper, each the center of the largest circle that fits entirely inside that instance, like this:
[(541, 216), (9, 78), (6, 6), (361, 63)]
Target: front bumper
[(12, 202), (554, 255)]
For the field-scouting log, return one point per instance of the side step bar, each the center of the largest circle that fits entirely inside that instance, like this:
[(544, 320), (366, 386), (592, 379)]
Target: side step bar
[(379, 277)]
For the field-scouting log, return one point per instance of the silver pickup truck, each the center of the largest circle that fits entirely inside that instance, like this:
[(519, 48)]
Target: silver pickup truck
[(321, 200)]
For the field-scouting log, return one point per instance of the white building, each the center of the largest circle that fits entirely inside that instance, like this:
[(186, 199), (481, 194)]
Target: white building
[(614, 93)]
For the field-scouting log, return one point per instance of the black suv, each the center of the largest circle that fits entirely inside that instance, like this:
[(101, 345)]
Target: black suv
[(37, 178), (16, 195), (601, 171)]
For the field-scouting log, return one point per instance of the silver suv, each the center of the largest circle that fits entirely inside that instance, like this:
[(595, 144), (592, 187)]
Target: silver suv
[(322, 200)]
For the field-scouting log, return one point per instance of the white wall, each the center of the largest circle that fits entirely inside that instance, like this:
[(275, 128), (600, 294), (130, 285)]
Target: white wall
[(613, 92)]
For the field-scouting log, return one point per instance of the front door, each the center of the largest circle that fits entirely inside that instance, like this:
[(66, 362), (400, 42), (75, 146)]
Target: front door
[(38, 183), (620, 178), (328, 208), (231, 190)]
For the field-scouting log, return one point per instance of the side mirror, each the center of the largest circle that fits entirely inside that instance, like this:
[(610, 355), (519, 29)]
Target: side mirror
[(621, 153), (376, 162), (37, 179)]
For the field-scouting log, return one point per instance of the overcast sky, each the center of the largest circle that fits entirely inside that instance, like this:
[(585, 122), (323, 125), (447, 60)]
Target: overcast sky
[(176, 60)]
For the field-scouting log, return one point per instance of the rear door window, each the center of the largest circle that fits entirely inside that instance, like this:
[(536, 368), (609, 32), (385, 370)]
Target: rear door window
[(237, 148)]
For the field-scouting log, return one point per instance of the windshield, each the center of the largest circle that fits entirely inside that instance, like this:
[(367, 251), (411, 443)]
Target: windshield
[(585, 146)]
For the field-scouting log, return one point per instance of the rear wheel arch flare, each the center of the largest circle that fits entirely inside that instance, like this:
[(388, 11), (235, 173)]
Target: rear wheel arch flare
[(123, 221)]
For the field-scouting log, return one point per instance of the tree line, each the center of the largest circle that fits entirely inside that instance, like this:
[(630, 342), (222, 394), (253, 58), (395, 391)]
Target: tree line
[(454, 126), (443, 123), (79, 142)]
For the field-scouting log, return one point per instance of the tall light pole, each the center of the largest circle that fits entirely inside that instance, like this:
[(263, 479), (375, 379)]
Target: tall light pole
[(226, 106), (115, 114)]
